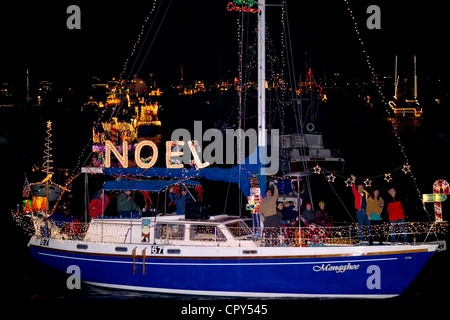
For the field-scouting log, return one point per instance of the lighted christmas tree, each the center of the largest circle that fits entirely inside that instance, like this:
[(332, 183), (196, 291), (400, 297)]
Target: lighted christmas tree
[(47, 166)]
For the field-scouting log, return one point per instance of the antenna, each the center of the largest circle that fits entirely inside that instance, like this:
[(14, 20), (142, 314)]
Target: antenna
[(182, 80), (262, 74), (28, 87), (395, 78), (415, 78)]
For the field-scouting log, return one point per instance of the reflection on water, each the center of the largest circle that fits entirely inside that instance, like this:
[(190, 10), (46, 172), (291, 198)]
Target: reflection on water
[(402, 125)]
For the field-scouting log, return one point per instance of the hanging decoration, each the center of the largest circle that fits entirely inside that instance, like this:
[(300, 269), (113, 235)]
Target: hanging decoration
[(440, 186), (243, 6), (388, 177), (331, 176), (348, 182), (199, 191), (367, 183), (148, 200), (317, 169)]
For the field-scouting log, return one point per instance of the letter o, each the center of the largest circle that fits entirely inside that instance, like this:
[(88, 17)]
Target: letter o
[(137, 154)]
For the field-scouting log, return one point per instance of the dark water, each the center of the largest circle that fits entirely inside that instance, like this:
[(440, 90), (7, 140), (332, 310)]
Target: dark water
[(370, 147)]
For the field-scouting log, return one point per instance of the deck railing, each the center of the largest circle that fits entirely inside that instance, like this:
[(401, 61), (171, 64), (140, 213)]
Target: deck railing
[(312, 235)]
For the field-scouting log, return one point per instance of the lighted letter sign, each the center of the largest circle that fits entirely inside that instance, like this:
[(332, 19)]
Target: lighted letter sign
[(170, 154), (137, 154), (170, 164), (197, 161), (123, 159)]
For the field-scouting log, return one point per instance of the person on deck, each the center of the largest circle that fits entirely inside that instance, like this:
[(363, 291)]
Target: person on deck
[(375, 205), (289, 213), (267, 208), (396, 214), (126, 206), (280, 217), (179, 199), (98, 204), (308, 214), (321, 216), (361, 196)]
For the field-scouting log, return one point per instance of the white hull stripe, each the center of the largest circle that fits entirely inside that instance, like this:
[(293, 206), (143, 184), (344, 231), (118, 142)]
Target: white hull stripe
[(238, 293)]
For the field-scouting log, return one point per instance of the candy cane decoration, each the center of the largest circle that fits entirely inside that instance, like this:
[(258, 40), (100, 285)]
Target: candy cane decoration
[(440, 186)]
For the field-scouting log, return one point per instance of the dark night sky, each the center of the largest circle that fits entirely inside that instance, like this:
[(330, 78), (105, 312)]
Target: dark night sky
[(202, 36)]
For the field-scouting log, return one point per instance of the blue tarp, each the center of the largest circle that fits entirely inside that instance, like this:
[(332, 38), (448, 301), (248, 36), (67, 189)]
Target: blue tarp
[(239, 174), (145, 185)]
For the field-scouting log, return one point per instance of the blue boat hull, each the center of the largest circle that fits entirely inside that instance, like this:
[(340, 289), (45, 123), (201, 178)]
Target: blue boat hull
[(371, 275)]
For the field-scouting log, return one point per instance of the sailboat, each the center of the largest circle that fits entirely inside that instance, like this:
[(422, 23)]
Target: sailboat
[(405, 103), (221, 255)]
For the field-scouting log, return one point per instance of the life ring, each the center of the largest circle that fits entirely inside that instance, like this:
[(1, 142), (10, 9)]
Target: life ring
[(438, 186), (310, 126)]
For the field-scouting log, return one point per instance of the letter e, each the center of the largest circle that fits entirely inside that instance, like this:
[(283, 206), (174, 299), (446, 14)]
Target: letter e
[(74, 280), (374, 21), (374, 281), (74, 21)]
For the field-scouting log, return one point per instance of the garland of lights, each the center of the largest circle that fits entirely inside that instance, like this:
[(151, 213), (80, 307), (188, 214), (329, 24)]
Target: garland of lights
[(286, 236), (331, 177)]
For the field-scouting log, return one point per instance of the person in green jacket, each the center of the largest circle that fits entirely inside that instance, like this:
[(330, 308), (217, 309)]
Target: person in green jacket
[(126, 207)]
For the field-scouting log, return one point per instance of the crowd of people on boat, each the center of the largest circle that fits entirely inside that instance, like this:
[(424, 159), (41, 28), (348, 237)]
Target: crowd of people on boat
[(371, 210)]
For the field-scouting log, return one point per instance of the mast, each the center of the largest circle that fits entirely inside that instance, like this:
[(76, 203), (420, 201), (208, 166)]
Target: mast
[(395, 79), (28, 87), (415, 79), (262, 74)]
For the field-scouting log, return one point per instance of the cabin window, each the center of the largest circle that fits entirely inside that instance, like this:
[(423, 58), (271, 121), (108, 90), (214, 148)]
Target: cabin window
[(168, 231), (239, 229), (206, 233)]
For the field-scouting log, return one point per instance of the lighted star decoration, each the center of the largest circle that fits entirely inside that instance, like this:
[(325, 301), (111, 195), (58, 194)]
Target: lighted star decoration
[(387, 177), (49, 124), (317, 169), (406, 168), (331, 177), (368, 182), (348, 182)]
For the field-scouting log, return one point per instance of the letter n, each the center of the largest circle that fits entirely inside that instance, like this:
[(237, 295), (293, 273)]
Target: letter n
[(74, 280), (73, 21), (374, 281), (374, 21), (123, 159)]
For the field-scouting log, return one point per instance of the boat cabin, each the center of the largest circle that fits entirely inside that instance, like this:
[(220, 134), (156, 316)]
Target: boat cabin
[(220, 230)]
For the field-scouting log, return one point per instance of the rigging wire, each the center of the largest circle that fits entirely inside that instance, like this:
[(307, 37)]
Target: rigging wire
[(337, 195), (154, 37), (294, 96), (139, 40)]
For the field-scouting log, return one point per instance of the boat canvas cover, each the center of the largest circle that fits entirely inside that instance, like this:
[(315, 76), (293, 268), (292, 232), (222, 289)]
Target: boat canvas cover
[(145, 185)]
